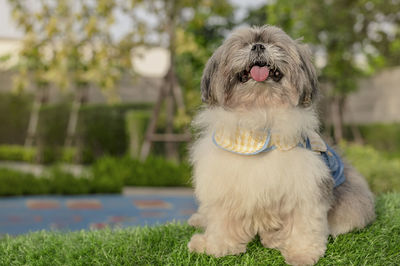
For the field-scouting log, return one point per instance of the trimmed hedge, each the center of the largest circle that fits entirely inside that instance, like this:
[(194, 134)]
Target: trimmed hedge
[(56, 181), (107, 175), (15, 183), (47, 154), (155, 171), (53, 121), (17, 153), (14, 117), (101, 128)]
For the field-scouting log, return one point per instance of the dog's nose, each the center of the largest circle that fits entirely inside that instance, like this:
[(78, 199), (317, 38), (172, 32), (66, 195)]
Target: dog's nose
[(258, 47)]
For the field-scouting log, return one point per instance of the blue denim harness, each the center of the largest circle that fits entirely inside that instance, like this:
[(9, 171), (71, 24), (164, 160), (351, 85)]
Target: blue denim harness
[(333, 161)]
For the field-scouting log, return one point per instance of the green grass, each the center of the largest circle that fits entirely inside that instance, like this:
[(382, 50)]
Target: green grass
[(379, 244)]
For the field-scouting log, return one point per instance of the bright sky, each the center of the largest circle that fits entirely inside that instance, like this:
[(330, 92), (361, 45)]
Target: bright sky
[(8, 28)]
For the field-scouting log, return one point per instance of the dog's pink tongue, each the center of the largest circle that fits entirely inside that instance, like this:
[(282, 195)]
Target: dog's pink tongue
[(259, 73)]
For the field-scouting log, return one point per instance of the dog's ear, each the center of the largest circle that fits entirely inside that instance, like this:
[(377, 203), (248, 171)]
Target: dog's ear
[(208, 78), (309, 90)]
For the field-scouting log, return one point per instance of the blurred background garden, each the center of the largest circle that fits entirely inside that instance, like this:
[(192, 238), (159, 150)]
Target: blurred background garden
[(82, 82)]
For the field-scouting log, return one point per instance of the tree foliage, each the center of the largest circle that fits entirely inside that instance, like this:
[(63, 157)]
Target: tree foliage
[(351, 39), (197, 39), (70, 45), (354, 37), (191, 30)]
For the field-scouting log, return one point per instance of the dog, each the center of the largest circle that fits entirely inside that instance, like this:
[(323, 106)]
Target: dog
[(260, 166)]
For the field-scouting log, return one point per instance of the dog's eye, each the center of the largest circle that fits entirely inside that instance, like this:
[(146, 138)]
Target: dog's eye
[(276, 75)]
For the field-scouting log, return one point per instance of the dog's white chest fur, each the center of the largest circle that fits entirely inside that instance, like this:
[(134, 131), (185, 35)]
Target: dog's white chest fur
[(248, 183)]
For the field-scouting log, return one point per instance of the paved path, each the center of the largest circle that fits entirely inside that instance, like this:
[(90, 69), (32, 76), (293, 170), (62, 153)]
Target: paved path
[(20, 215)]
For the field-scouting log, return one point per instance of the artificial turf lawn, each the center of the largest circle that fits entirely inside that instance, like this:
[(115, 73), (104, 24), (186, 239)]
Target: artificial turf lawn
[(379, 244)]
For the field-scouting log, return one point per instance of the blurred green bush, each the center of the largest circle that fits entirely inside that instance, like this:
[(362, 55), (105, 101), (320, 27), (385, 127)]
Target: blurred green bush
[(106, 175), (14, 183), (384, 137), (154, 171), (17, 153), (382, 173), (56, 181), (46, 154)]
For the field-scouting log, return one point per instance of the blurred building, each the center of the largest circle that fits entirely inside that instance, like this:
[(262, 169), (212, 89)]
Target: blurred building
[(377, 99), (9, 47)]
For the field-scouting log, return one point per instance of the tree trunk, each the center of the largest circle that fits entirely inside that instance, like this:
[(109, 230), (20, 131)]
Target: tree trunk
[(337, 118), (357, 134), (171, 147), (40, 99), (153, 123), (79, 100)]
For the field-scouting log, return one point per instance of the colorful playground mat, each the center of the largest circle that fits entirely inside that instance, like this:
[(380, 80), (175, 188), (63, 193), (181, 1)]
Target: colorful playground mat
[(19, 215)]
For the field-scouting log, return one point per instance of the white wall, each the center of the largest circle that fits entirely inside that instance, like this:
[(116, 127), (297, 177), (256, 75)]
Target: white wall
[(377, 99), (9, 47), (8, 28)]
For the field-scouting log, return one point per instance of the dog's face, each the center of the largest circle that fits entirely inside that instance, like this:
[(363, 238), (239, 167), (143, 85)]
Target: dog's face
[(259, 67)]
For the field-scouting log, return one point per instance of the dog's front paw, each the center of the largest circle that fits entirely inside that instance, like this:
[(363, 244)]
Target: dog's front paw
[(197, 243), (202, 244), (197, 220), (300, 259), (303, 257)]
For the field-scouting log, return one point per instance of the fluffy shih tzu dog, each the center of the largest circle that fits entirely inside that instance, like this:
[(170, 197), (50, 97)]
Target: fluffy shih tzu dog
[(260, 165)]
